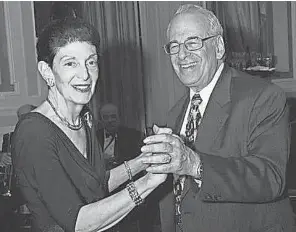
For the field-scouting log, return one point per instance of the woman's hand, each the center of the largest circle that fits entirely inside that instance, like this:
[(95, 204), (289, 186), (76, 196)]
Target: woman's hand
[(161, 130), (137, 165)]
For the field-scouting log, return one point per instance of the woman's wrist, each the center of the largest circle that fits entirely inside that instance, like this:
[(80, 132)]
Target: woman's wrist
[(152, 181), (136, 166), (144, 186), (128, 171), (134, 194)]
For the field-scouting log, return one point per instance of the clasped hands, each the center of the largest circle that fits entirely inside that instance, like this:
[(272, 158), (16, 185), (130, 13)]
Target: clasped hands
[(168, 154)]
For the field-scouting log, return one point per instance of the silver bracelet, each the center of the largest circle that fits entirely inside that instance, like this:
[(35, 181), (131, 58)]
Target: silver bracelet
[(128, 170), (135, 196)]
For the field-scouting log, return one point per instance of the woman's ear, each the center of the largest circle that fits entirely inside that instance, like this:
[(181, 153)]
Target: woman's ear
[(46, 73), (220, 48)]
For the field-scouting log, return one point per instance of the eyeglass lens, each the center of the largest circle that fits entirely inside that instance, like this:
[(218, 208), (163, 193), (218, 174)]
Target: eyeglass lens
[(190, 44)]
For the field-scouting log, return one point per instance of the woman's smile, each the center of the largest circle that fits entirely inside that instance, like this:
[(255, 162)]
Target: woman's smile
[(83, 88)]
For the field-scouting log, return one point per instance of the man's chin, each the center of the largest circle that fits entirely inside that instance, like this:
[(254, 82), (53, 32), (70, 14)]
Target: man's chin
[(189, 82)]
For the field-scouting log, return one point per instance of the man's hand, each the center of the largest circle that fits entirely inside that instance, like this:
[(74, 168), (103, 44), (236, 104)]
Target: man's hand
[(170, 155), (5, 159)]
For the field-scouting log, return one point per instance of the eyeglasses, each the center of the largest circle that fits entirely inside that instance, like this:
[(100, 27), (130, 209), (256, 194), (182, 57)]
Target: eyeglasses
[(191, 44)]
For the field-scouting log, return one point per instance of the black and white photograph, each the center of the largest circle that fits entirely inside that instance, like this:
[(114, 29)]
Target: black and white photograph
[(148, 116)]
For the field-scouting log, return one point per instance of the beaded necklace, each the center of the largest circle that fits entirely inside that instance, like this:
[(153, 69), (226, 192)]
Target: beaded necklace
[(64, 120)]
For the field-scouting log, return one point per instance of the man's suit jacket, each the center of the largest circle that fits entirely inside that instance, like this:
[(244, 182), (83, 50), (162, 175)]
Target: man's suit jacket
[(243, 142), (127, 144)]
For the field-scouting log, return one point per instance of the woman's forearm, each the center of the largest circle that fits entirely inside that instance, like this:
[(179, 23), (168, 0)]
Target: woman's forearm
[(107, 212), (119, 175)]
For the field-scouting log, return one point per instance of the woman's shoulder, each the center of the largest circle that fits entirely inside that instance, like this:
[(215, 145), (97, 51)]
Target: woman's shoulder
[(34, 123), (33, 133)]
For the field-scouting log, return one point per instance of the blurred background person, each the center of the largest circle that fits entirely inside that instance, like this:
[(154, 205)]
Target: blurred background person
[(12, 204), (119, 143), (5, 159)]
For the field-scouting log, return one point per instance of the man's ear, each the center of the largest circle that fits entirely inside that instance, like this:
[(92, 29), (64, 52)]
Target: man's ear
[(45, 71), (220, 48)]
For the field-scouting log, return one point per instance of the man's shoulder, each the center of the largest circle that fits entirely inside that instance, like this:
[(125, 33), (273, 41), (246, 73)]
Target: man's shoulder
[(243, 84)]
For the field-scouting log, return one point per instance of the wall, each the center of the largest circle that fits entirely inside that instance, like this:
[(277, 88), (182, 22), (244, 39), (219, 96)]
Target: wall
[(280, 36), (288, 84), (28, 86)]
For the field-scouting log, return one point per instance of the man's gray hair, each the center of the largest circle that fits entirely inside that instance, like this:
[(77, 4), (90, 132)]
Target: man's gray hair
[(215, 26)]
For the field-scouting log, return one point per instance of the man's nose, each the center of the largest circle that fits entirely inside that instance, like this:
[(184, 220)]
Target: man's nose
[(182, 51)]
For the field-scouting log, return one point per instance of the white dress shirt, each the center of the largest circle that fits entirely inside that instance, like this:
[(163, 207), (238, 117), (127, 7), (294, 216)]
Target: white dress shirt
[(205, 94), (109, 146)]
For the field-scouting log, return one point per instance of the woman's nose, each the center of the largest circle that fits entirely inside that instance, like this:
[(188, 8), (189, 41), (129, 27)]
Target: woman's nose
[(83, 73)]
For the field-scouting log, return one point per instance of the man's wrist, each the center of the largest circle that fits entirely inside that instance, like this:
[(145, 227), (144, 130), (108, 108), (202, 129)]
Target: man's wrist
[(199, 171), (196, 169)]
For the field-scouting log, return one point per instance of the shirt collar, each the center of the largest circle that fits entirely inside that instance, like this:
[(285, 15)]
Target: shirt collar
[(205, 93), (109, 135)]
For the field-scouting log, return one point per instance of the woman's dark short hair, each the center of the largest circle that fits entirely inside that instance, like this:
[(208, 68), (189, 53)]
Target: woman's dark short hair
[(59, 33)]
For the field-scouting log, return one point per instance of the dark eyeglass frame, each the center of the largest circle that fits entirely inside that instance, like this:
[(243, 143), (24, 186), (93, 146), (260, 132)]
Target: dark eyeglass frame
[(166, 46)]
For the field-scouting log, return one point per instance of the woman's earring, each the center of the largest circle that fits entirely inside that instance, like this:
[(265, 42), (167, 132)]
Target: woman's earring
[(50, 82)]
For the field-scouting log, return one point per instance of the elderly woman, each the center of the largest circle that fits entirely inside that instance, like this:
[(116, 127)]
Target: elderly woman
[(58, 161)]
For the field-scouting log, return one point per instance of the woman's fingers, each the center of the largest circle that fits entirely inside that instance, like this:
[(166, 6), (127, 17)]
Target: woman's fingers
[(161, 130)]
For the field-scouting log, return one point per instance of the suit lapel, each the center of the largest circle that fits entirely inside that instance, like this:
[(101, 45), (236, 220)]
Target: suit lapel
[(216, 113), (215, 116), (177, 114)]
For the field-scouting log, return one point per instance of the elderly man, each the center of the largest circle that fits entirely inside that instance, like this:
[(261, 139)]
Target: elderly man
[(230, 143)]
